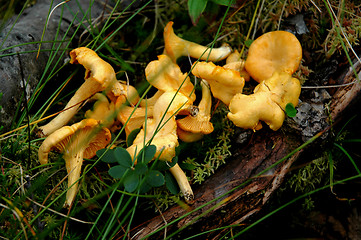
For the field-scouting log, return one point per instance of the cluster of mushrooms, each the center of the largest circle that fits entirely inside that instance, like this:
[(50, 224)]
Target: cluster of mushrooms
[(169, 114)]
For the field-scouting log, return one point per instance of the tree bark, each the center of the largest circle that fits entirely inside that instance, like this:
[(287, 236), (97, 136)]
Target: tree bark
[(232, 195)]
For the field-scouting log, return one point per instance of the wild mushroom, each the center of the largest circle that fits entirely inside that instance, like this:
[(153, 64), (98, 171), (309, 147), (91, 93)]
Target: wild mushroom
[(267, 103), (183, 182), (235, 62), (277, 51), (132, 117), (162, 128), (103, 110), (176, 47), (165, 75), (99, 76), (192, 128), (225, 83), (78, 141), (161, 131)]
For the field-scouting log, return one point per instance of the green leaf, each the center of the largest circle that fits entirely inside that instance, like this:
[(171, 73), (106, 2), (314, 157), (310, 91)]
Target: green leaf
[(164, 165), (131, 182), (155, 178), (224, 2), (117, 171), (145, 187), (140, 169), (248, 42), (132, 135), (171, 183), (290, 110), (196, 8), (123, 157), (108, 157), (146, 154)]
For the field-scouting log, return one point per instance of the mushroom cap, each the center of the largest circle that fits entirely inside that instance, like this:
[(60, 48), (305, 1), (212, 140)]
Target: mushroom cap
[(83, 135), (188, 137), (224, 83), (194, 125), (267, 103), (235, 62), (277, 51), (103, 110), (176, 47), (98, 70), (285, 88), (247, 110), (165, 140), (134, 117), (200, 123), (95, 67), (165, 75)]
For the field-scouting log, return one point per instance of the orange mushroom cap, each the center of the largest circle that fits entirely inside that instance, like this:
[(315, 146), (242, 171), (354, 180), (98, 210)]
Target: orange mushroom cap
[(277, 51), (166, 75), (225, 83), (82, 139), (198, 125)]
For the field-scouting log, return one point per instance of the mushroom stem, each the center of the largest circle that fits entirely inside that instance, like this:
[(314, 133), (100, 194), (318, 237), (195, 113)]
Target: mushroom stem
[(183, 182), (176, 47), (86, 90), (73, 166)]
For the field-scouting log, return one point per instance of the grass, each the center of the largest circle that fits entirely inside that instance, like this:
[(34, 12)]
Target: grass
[(31, 206)]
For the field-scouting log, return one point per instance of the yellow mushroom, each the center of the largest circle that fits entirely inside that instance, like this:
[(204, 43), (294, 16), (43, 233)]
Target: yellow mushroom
[(192, 128), (161, 131), (99, 76), (277, 51), (235, 62), (183, 182), (78, 141), (162, 128), (176, 47), (267, 103), (132, 117), (103, 110), (225, 83), (165, 75)]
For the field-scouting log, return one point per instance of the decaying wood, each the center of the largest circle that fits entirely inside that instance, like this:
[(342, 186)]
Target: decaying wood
[(243, 195), (349, 94)]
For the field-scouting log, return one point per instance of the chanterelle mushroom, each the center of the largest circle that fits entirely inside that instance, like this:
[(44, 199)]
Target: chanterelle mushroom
[(162, 127), (235, 62), (277, 51), (176, 47), (267, 103), (162, 131), (225, 83), (103, 110), (192, 128), (99, 76), (166, 75), (78, 141)]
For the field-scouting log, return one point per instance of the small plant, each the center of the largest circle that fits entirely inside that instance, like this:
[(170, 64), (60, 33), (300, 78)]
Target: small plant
[(137, 176), (197, 7), (290, 110)]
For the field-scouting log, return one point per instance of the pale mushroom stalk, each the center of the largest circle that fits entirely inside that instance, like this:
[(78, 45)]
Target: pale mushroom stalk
[(79, 140), (99, 76), (183, 182), (86, 90), (176, 47)]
